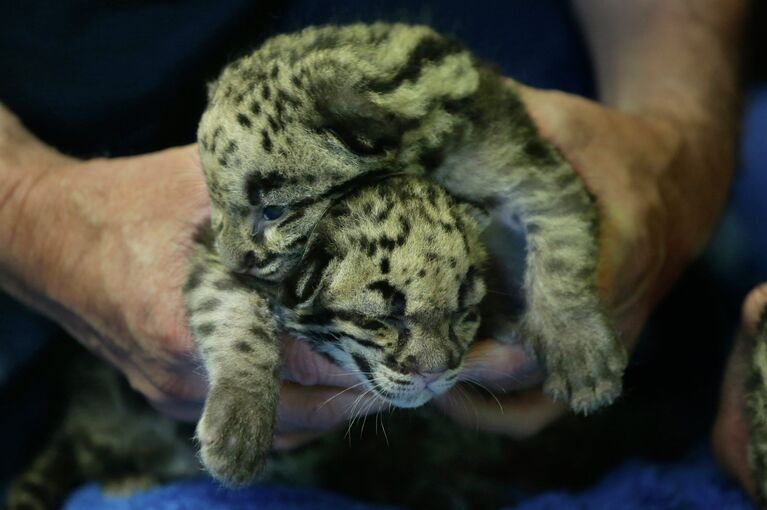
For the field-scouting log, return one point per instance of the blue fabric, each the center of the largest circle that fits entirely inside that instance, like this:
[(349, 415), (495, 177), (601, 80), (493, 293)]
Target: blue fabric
[(206, 495), (693, 483)]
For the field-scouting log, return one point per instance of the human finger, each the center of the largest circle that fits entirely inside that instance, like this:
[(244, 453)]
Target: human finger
[(303, 366), (320, 408), (292, 440), (180, 396), (500, 367), (519, 416)]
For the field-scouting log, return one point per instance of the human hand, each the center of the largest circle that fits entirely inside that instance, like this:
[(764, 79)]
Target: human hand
[(125, 289), (108, 239), (102, 245), (648, 232)]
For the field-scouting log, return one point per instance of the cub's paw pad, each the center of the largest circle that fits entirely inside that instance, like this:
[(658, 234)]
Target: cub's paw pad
[(586, 378), (583, 359), (235, 434)]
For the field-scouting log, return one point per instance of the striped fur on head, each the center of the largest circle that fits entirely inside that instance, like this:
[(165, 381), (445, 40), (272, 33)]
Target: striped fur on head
[(389, 288)]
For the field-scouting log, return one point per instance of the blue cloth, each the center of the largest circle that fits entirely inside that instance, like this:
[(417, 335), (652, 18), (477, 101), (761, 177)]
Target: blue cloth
[(693, 483), (206, 495)]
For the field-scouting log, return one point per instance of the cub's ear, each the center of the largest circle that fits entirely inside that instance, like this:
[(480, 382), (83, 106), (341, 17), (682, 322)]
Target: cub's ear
[(365, 128)]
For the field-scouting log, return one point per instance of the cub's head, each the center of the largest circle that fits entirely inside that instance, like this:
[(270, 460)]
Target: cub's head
[(278, 142), (389, 288)]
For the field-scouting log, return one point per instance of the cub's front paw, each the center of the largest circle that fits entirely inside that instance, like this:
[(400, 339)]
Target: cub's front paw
[(235, 433), (584, 361)]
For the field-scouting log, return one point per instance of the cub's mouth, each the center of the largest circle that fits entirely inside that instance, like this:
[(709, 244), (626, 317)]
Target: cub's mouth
[(407, 390)]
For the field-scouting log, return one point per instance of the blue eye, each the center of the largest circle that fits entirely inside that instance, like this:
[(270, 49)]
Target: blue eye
[(273, 212)]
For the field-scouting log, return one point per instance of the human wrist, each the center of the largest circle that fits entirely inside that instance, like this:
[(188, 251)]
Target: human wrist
[(694, 186), (25, 165), (676, 65), (33, 229)]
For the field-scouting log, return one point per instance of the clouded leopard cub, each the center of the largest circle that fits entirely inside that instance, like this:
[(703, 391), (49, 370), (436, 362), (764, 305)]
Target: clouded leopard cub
[(310, 116)]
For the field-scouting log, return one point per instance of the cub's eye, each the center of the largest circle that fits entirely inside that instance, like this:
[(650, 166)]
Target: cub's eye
[(372, 324), (273, 212)]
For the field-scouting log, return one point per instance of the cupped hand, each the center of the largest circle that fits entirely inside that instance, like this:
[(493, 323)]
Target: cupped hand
[(635, 167)]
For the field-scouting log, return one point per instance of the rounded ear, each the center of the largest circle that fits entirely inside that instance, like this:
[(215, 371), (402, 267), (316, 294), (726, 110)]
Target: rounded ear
[(347, 112)]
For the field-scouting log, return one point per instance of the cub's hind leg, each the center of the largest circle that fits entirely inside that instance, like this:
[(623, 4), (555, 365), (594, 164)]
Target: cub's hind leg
[(511, 170), (564, 321), (236, 336)]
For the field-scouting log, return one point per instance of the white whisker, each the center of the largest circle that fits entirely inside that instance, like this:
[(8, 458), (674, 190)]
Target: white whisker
[(341, 393), (480, 385)]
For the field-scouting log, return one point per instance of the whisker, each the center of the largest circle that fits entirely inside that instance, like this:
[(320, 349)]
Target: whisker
[(474, 409), (480, 385), (383, 428), (358, 372), (354, 414), (341, 393), (365, 417)]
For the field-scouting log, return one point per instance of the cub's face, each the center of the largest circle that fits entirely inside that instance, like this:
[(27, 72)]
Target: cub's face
[(389, 288)]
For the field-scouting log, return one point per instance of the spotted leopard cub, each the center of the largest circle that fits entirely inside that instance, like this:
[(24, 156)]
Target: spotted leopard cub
[(388, 287), (311, 115)]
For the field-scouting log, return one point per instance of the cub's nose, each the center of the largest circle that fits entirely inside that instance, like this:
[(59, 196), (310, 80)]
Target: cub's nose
[(432, 367), (416, 370)]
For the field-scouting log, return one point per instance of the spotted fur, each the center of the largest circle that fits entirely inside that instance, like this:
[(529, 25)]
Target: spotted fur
[(310, 115)]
